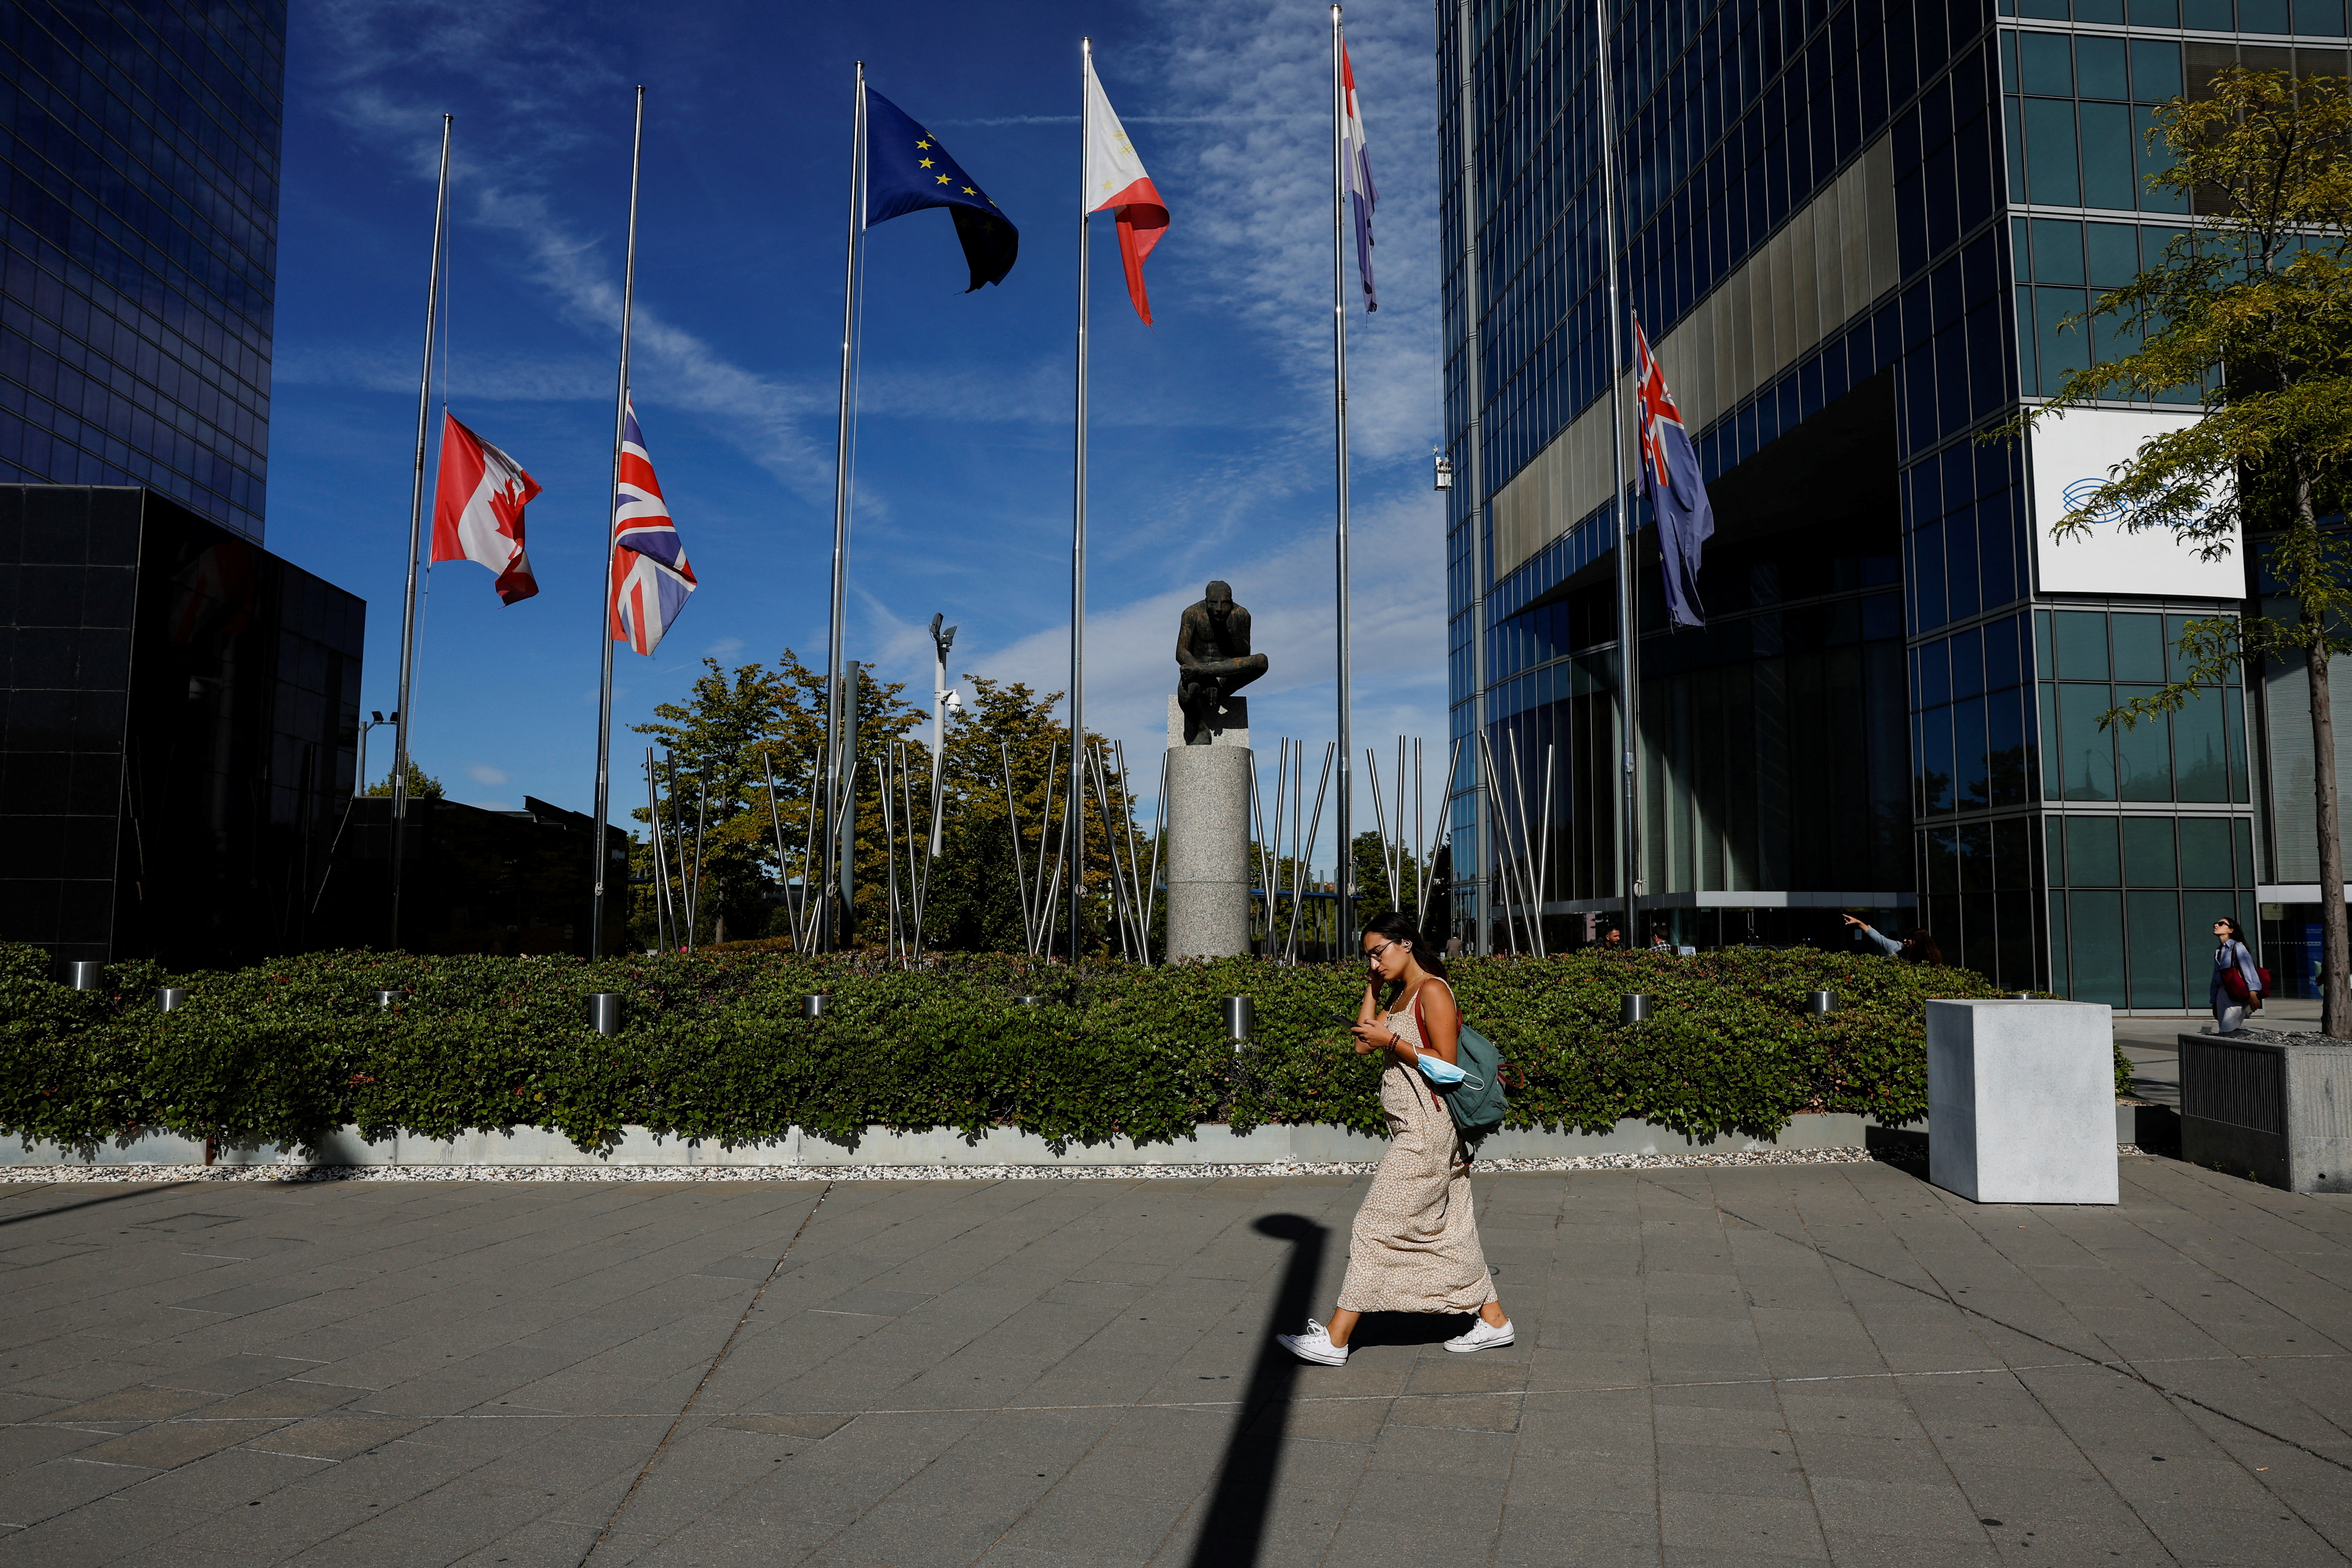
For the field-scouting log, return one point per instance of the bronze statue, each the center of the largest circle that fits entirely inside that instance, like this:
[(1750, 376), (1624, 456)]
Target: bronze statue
[(1212, 660)]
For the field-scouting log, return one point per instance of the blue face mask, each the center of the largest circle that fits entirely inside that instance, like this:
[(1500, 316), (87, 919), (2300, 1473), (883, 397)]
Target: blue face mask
[(1437, 1069)]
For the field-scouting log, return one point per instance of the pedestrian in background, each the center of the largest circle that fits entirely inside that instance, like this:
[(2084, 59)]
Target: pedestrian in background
[(1415, 1246), (2237, 987), (1916, 945)]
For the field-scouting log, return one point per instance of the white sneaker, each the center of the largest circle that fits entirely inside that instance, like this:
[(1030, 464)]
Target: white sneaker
[(1482, 1336), (1314, 1346)]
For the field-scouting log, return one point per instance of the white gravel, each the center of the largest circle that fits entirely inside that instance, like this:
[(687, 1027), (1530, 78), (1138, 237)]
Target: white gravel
[(299, 1173)]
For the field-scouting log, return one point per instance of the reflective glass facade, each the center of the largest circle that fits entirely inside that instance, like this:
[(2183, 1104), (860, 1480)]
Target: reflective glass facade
[(140, 147), (179, 727), (1853, 229)]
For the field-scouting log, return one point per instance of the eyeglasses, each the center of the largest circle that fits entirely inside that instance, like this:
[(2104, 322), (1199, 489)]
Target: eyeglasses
[(1372, 955)]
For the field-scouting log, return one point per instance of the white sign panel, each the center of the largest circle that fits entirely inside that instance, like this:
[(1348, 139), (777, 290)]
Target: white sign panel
[(2073, 455)]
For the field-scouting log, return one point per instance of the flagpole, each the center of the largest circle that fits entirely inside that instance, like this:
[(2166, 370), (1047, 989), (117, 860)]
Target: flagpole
[(833, 921), (612, 525), (1073, 816), (1629, 632), (1474, 466), (415, 539), (1344, 870)]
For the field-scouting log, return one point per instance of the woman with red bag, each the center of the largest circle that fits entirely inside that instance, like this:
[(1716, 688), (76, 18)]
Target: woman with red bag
[(2237, 987)]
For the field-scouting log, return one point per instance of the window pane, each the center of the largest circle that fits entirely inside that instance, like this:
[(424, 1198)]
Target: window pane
[(2086, 751), (2138, 646), (1970, 788), (2029, 377), (2241, 834), (2053, 784), (2050, 171), (2060, 980), (2233, 734), (2155, 931), (2048, 60), (2155, 63), (1976, 858), (2091, 852), (2113, 249), (2107, 179), (2096, 922), (2054, 834), (2156, 13), (2081, 643), (1936, 764), (2057, 250), (2148, 853), (2013, 852), (2143, 751), (2205, 852), (2066, 342), (2263, 17), (2154, 159), (2099, 70), (2202, 765), (2005, 763), (2319, 19), (2209, 16), (1968, 663)]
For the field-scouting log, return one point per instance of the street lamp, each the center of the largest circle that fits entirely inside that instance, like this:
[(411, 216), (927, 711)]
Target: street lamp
[(375, 719), (942, 638)]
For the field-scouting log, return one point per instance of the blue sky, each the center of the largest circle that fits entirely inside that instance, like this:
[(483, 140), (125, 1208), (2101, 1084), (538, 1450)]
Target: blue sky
[(1211, 442)]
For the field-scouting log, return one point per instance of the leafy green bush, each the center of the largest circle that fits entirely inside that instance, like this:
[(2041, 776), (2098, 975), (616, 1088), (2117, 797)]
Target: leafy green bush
[(714, 1048)]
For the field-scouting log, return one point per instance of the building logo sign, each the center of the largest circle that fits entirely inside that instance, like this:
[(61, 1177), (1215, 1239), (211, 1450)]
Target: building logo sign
[(2071, 459)]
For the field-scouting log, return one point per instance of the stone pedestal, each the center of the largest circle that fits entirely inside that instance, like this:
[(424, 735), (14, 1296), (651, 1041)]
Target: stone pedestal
[(2271, 1105), (1208, 851), (2021, 1102)]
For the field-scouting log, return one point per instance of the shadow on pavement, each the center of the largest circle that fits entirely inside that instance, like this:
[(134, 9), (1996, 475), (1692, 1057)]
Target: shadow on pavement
[(1232, 1533)]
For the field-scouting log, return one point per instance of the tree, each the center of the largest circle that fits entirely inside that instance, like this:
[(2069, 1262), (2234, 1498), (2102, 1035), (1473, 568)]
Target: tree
[(420, 786), (976, 891), (735, 728), (2252, 308)]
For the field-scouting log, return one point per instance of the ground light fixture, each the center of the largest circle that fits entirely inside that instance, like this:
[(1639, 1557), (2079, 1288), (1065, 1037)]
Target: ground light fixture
[(812, 1004), (1633, 1007), (169, 999), (86, 975), (604, 1012), (1820, 1002), (1241, 1017)]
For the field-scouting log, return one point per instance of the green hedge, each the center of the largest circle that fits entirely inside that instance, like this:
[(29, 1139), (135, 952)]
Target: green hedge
[(715, 1049)]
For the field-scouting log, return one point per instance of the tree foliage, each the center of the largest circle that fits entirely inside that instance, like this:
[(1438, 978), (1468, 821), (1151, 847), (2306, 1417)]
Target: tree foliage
[(421, 785)]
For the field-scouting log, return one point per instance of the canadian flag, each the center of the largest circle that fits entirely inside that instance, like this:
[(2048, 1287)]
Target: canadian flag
[(477, 508), (1114, 179)]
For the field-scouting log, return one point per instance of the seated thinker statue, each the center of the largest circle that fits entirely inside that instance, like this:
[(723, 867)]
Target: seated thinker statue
[(1212, 660)]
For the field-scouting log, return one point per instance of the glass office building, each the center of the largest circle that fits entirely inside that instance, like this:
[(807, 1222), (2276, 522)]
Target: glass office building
[(140, 146), (1852, 232)]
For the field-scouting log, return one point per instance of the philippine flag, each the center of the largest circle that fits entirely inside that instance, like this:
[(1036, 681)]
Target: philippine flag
[(478, 505), (650, 575), (1114, 179)]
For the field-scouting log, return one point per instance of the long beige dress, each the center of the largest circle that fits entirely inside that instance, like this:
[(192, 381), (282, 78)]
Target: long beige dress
[(1415, 1247)]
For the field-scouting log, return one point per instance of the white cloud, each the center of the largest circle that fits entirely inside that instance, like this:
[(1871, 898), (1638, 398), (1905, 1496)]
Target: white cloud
[(483, 773), (723, 646)]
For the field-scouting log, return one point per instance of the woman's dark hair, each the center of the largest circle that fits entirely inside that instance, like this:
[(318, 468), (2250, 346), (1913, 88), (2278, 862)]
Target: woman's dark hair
[(2237, 931), (1397, 926), (1923, 946)]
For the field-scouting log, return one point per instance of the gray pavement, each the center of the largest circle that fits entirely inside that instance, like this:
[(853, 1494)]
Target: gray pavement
[(1715, 1365)]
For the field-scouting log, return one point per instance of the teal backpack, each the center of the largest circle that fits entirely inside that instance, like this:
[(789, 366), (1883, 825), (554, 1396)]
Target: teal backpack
[(1479, 1101)]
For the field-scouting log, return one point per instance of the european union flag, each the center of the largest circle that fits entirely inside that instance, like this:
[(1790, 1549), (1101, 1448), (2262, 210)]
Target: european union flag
[(907, 170)]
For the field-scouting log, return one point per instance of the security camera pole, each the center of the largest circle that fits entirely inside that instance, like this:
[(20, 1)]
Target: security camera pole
[(942, 640)]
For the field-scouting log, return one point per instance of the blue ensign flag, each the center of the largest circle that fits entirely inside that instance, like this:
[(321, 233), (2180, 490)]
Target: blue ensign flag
[(907, 170), (1670, 478)]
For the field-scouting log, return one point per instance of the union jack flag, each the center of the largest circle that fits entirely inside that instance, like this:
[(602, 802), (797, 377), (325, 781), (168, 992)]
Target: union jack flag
[(1671, 478), (651, 577)]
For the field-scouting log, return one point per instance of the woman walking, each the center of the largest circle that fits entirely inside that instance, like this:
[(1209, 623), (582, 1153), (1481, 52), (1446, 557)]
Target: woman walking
[(1415, 1247), (2237, 984)]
